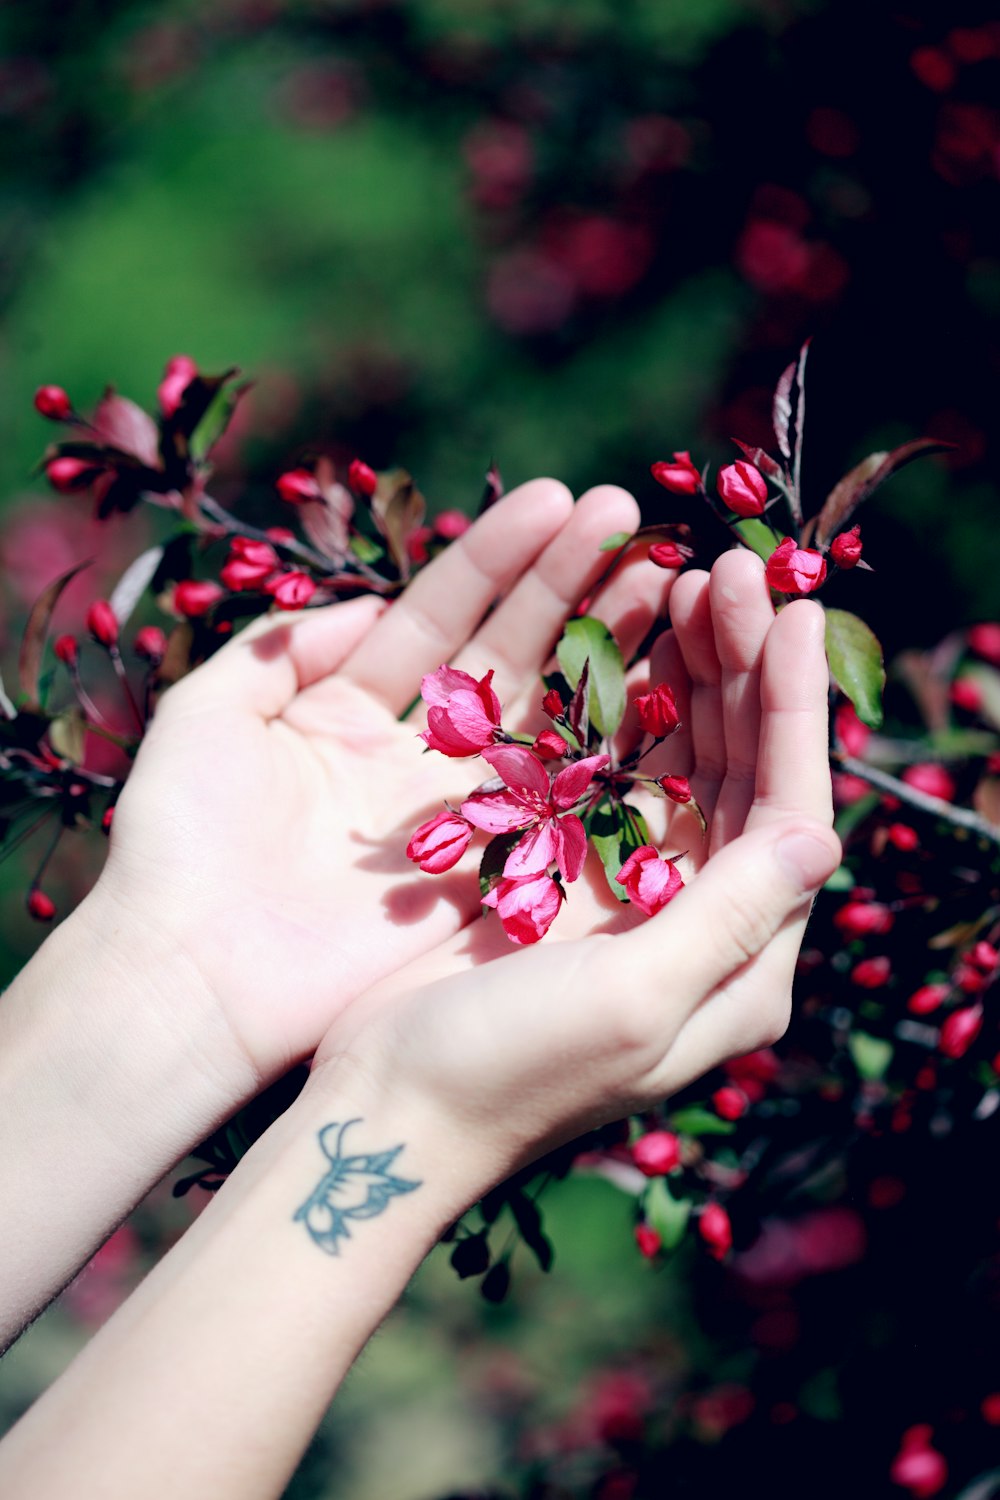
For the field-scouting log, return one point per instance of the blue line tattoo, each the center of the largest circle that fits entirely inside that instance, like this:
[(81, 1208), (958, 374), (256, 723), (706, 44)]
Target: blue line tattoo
[(355, 1187)]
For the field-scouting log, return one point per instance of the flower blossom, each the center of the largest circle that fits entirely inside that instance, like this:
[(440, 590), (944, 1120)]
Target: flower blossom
[(526, 906), (649, 881), (795, 570), (540, 807), (463, 715)]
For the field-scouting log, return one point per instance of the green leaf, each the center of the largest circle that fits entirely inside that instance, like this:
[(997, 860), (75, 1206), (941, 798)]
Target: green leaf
[(871, 1055), (615, 836), (840, 880), (667, 1215), (529, 1222), (758, 536), (216, 419), (364, 549), (495, 857), (612, 543), (584, 640), (697, 1121), (855, 658)]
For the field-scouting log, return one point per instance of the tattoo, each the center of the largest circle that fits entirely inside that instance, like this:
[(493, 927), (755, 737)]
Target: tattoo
[(355, 1187)]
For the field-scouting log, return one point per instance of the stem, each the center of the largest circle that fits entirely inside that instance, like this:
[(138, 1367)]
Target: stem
[(122, 675), (958, 817)]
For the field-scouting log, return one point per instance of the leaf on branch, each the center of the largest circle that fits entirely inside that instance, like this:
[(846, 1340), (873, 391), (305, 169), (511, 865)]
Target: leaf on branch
[(326, 520), (133, 583), (36, 633), (788, 430), (871, 1055), (122, 424), (863, 480), (616, 541), (693, 1120), (529, 1222), (667, 1215), (217, 417), (758, 536), (589, 641), (763, 461), (398, 508), (68, 735), (855, 658), (578, 713), (615, 836), (495, 857), (496, 1283)]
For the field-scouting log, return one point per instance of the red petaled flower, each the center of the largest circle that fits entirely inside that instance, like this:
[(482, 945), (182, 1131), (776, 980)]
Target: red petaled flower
[(291, 590), (677, 788), (730, 1103), (862, 918), (669, 554), (680, 477), (960, 1030), (66, 649), (930, 778), (917, 1466), (69, 475), (549, 745), (150, 643), (845, 549), (451, 524), (102, 623), (928, 998), (195, 596), (985, 641), (872, 973), (363, 480), (463, 715), (984, 956), (52, 401), (716, 1230), (794, 570), (41, 906), (657, 711), (656, 1153), (540, 807), (648, 1240), (743, 488), (527, 907), (649, 881), (901, 836), (966, 693), (553, 704), (297, 486), (439, 844)]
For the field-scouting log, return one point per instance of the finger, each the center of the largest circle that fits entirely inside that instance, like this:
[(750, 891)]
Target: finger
[(741, 618), (435, 616), (518, 638), (263, 667), (793, 772), (691, 617)]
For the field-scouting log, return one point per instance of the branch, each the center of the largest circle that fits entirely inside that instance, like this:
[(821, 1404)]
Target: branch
[(958, 817)]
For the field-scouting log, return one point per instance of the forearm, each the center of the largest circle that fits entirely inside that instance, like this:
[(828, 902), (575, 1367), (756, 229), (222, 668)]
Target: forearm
[(107, 1078), (241, 1335)]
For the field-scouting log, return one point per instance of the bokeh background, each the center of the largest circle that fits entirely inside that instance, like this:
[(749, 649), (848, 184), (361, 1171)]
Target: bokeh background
[(569, 238)]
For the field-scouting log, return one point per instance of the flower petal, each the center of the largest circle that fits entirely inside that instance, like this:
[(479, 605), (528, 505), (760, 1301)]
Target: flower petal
[(573, 781), (497, 812), (526, 907), (534, 853), (571, 846), (522, 771), (437, 687)]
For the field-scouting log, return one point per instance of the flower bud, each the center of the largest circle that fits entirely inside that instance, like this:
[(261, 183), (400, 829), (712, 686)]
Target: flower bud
[(930, 778), (794, 570), (52, 401), (107, 820), (966, 693), (439, 844), (716, 1230), (102, 623), (291, 590), (150, 644), (297, 486), (416, 544), (40, 906), (917, 1466), (669, 555), (649, 881), (451, 524), (677, 788), (656, 1153), (928, 998), (657, 711), (680, 477), (850, 731), (260, 554), (69, 475), (845, 549), (984, 956), (549, 745), (362, 479), (985, 641), (279, 535), (960, 1030), (730, 1103), (249, 564), (902, 837), (195, 596), (970, 980), (872, 973), (862, 918), (648, 1241), (177, 376), (743, 488), (553, 704), (66, 649)]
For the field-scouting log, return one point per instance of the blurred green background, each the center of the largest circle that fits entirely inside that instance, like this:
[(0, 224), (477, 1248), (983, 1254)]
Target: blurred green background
[(568, 237)]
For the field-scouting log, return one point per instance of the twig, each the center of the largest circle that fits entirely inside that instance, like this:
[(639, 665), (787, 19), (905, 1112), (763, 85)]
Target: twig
[(936, 807)]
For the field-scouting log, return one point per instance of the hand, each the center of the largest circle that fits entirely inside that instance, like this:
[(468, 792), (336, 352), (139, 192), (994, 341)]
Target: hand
[(257, 867), (511, 1056)]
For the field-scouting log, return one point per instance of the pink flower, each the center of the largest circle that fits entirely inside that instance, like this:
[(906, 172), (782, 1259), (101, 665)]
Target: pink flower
[(68, 475), (677, 788), (716, 1230), (463, 715), (40, 906), (928, 998), (541, 808), (195, 596), (794, 570), (669, 554), (296, 486), (985, 641), (730, 1103), (680, 478), (553, 704), (291, 590), (960, 1030), (438, 845), (52, 401), (549, 745), (743, 488), (648, 1240), (178, 375), (102, 623), (917, 1466), (656, 1153), (845, 549), (150, 643), (66, 650), (872, 973), (861, 918), (657, 711), (361, 478), (931, 778), (451, 524), (649, 881), (850, 731), (527, 906)]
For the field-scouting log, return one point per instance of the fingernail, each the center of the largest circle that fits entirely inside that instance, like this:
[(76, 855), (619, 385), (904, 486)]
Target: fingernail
[(807, 860)]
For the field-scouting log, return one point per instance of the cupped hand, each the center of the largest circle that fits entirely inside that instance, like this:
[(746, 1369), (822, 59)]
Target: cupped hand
[(257, 866)]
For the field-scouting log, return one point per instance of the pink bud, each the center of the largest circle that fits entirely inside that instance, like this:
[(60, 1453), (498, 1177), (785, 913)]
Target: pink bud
[(730, 1103), (743, 488), (150, 643), (850, 731), (68, 475), (657, 711), (794, 570), (107, 820), (984, 956), (677, 788), (177, 376), (249, 564), (928, 998), (362, 479), (549, 745), (845, 549), (416, 544), (680, 477), (862, 918), (656, 1153), (960, 1030), (101, 622), (649, 881), (195, 596), (917, 1466), (648, 1240), (969, 980), (451, 524), (902, 836), (985, 641), (930, 778), (872, 973), (297, 486), (553, 704), (66, 649), (966, 693), (40, 906), (990, 1409), (438, 845), (291, 591), (52, 401), (260, 554), (716, 1230), (669, 554), (279, 535)]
